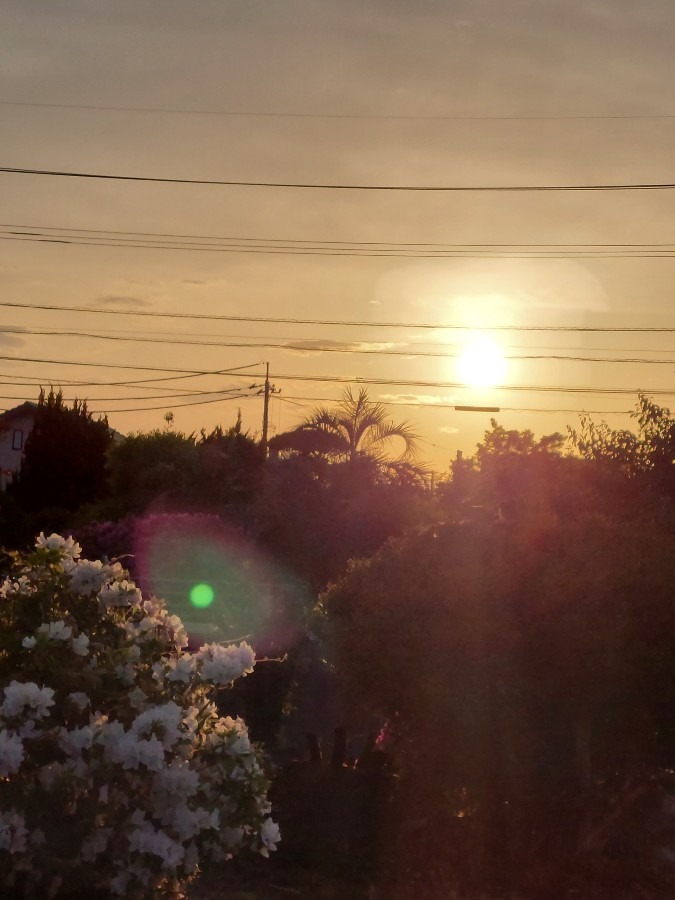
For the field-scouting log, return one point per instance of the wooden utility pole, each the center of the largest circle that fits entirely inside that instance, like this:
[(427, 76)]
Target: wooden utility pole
[(268, 389)]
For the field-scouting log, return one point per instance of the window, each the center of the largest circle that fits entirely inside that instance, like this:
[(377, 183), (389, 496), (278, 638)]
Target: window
[(17, 439)]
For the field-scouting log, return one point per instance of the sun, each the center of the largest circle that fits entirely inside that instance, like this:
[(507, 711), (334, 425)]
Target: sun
[(481, 363)]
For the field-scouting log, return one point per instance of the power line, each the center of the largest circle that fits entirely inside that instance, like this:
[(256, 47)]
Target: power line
[(60, 383), (125, 399), (266, 114), (96, 365), (323, 348), (276, 320), (354, 253), (171, 405), (341, 379), (538, 188), (137, 382), (267, 240), (418, 405)]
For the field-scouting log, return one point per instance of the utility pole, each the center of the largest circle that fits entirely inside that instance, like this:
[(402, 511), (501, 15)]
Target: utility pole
[(268, 389)]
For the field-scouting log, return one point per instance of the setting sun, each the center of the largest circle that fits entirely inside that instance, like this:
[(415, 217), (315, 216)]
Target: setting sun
[(481, 363)]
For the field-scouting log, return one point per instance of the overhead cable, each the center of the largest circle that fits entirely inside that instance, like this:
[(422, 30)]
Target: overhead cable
[(274, 114), (317, 347), (521, 188), (278, 320)]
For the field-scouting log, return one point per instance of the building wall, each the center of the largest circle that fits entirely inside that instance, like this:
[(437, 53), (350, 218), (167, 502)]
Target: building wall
[(12, 442)]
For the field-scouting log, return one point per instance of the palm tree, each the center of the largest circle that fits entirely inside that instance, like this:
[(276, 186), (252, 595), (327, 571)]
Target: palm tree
[(357, 427)]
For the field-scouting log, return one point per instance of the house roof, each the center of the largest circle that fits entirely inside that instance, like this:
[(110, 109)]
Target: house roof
[(30, 407), (17, 411)]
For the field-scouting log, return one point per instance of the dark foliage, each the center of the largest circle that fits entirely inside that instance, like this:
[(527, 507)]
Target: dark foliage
[(64, 458)]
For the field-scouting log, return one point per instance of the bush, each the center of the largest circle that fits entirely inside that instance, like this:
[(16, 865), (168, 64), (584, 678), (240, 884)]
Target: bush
[(526, 685), (117, 775)]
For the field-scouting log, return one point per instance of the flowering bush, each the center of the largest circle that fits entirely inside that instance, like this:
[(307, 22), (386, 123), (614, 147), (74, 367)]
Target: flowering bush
[(116, 771)]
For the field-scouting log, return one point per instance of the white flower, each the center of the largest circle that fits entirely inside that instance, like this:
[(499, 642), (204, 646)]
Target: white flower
[(80, 699), (11, 753), (28, 731), (270, 836), (126, 673), (125, 748), (69, 546), (180, 637), (240, 745), (181, 668), (13, 832), (120, 593), (156, 842), (191, 720), (23, 585), (185, 821), (76, 740), (223, 665), (55, 631), (137, 698), (165, 720), (88, 577), (154, 757), (80, 645), (177, 780), (19, 695)]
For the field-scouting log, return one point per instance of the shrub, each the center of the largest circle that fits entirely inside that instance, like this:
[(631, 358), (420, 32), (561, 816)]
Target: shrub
[(117, 775)]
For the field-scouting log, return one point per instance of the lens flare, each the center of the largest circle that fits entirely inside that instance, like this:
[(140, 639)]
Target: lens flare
[(202, 595), (221, 585)]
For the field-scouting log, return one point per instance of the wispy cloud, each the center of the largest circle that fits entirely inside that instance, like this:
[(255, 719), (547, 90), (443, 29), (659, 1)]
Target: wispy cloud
[(11, 340), (317, 346), (449, 429), (422, 399), (119, 300)]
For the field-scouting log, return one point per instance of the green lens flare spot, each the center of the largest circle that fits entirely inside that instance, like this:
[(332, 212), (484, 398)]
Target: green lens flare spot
[(202, 595)]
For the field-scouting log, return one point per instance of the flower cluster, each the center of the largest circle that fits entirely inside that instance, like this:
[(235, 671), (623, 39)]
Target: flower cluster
[(116, 769)]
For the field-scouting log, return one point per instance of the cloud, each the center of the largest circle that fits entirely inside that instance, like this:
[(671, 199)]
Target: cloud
[(327, 346), (449, 429), (116, 300), (422, 399), (318, 346), (9, 340)]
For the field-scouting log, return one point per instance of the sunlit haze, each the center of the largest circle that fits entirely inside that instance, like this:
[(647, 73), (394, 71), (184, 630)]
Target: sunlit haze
[(340, 95)]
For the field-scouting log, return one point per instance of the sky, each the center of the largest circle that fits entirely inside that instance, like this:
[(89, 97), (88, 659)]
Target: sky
[(337, 92)]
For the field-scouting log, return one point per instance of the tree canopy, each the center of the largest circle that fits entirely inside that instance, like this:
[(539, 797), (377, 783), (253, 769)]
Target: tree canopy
[(356, 426), (63, 465)]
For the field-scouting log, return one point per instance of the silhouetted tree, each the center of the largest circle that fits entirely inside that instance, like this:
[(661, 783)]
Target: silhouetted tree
[(522, 682), (63, 466), (151, 471), (514, 475), (230, 465), (356, 426), (646, 458)]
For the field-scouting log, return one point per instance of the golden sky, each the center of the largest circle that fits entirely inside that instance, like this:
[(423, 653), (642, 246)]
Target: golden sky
[(536, 92)]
